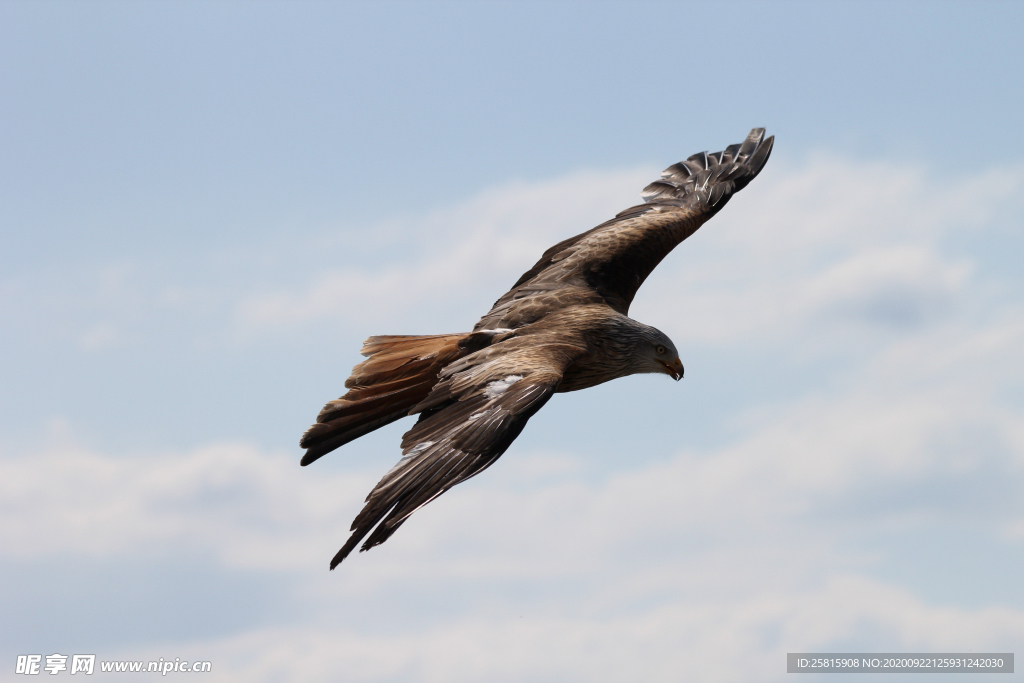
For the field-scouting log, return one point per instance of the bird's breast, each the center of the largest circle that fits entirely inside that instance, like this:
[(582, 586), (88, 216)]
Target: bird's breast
[(593, 369)]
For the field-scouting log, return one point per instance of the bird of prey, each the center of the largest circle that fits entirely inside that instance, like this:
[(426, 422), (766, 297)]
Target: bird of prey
[(563, 326)]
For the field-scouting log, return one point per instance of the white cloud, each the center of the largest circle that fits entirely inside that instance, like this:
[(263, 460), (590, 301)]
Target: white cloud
[(481, 245), (227, 500), (712, 564), (826, 247), (707, 640), (852, 244)]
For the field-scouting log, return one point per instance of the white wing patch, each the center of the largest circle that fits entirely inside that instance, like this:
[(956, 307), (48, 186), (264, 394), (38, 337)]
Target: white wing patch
[(499, 386), (418, 448)]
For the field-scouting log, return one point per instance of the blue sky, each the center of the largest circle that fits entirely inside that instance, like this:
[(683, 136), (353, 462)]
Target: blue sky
[(205, 207)]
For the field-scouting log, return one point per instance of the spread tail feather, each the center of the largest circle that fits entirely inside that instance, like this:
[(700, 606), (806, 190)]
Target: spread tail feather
[(398, 373)]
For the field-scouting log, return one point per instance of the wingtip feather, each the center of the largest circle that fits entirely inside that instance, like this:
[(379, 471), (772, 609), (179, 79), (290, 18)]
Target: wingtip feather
[(711, 179)]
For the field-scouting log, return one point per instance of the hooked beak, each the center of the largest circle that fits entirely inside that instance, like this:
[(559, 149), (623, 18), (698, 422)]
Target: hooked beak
[(674, 369)]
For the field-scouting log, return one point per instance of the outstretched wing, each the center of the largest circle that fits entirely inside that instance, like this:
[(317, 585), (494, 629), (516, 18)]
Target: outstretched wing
[(473, 414), (611, 261)]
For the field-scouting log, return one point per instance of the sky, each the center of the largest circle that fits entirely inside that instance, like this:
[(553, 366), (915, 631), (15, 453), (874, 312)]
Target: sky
[(206, 207)]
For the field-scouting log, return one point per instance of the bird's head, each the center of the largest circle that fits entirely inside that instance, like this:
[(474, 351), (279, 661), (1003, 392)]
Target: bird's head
[(655, 352)]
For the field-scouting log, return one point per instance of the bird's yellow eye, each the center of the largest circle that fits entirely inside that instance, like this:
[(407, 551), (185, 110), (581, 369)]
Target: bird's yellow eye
[(661, 350)]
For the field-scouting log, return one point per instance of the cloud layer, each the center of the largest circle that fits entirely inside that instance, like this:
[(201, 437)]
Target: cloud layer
[(828, 516)]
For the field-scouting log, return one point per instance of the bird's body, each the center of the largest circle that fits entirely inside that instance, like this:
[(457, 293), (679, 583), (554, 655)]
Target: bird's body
[(563, 326)]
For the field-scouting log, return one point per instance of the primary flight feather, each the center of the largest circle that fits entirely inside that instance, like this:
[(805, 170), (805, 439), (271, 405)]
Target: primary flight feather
[(563, 326)]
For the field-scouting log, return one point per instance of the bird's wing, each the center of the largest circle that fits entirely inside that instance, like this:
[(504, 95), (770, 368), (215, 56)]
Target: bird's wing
[(473, 414), (612, 260)]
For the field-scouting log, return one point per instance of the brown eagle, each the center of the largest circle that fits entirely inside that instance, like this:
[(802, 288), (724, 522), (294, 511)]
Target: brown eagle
[(562, 327)]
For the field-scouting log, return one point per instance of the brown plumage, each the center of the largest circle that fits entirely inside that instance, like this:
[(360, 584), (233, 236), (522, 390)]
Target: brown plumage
[(563, 326)]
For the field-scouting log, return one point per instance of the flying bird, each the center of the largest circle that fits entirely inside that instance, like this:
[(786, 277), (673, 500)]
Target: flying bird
[(563, 326)]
